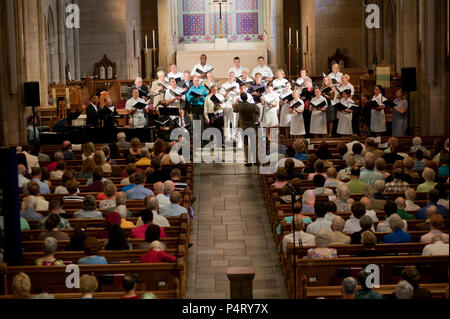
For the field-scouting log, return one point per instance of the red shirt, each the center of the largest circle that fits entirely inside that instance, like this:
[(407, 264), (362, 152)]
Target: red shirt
[(139, 232), (157, 256), (52, 167), (130, 298), (102, 196)]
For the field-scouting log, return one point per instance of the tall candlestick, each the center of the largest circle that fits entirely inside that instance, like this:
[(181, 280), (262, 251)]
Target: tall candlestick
[(146, 46), (154, 45), (138, 48), (290, 36), (305, 43), (297, 40)]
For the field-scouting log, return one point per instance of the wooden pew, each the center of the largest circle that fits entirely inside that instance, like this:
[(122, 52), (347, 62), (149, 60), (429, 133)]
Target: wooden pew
[(168, 294), (330, 272), (152, 277), (335, 292)]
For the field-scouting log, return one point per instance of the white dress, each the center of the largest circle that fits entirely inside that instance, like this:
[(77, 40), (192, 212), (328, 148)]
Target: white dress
[(337, 77), (378, 118), (229, 116), (285, 115), (345, 119), (349, 86), (270, 118), (138, 118), (279, 83), (318, 118), (297, 123)]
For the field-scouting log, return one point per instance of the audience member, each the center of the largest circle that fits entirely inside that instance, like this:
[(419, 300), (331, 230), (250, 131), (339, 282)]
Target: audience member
[(298, 226), (429, 175), (156, 254), (49, 246), (410, 196), (52, 223), (323, 241), (139, 191), (89, 209), (174, 209), (88, 286), (355, 186), (349, 288), (91, 247), (433, 198), (29, 213), (337, 236), (412, 275), (401, 209), (366, 292), (390, 208), (436, 248), (343, 200), (129, 284), (398, 235), (436, 223), (404, 290), (320, 224)]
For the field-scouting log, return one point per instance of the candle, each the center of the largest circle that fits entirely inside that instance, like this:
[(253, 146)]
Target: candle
[(146, 46), (154, 45), (297, 39), (305, 43), (138, 49), (290, 35)]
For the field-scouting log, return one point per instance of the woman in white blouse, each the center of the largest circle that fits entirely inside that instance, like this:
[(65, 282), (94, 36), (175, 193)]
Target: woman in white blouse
[(285, 114), (318, 115), (346, 85), (346, 116), (336, 75), (297, 123), (378, 118), (271, 102), (279, 83)]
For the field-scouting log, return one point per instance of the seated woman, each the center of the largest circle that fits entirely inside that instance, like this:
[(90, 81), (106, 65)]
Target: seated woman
[(111, 219), (281, 177), (88, 150), (428, 175), (343, 201), (323, 241), (299, 147), (87, 169), (99, 159), (398, 235), (49, 247), (443, 163), (147, 219), (158, 150), (91, 247), (298, 227), (369, 241), (412, 275), (52, 226), (156, 254), (135, 148), (116, 239), (88, 286), (319, 168), (78, 238)]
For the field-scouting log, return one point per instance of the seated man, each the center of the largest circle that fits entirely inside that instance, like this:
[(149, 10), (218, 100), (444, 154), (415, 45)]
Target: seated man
[(433, 197), (67, 151), (349, 288), (174, 209), (319, 182), (337, 236), (320, 224), (29, 213), (129, 283), (139, 191), (163, 200)]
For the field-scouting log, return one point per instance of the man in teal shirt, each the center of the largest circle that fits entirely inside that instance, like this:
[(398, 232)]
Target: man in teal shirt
[(355, 186), (195, 97)]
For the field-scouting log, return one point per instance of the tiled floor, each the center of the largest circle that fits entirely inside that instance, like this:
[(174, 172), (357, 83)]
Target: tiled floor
[(231, 229)]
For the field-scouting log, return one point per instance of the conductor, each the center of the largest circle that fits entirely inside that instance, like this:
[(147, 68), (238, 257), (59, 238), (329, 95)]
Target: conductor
[(248, 116)]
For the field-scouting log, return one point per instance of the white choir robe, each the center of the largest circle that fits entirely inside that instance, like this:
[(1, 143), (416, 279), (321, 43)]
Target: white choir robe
[(285, 115), (345, 119), (176, 103), (297, 123), (318, 118), (205, 69), (378, 118), (337, 77), (229, 116), (237, 72), (270, 118), (349, 86), (175, 76), (277, 83), (137, 119), (250, 99), (265, 71)]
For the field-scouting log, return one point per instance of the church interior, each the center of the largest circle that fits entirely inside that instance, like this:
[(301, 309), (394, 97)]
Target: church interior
[(101, 106)]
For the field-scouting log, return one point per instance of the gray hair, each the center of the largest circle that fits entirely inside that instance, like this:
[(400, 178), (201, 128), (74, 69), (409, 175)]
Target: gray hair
[(338, 224), (152, 204), (323, 239), (121, 198), (428, 174), (417, 141), (308, 197), (58, 156), (350, 161), (431, 210), (158, 187), (349, 286), (404, 290), (160, 73), (342, 191), (368, 191), (49, 245), (30, 202), (169, 187), (400, 202), (143, 152), (21, 169), (89, 203), (121, 136), (395, 222), (366, 222), (410, 194), (379, 186)]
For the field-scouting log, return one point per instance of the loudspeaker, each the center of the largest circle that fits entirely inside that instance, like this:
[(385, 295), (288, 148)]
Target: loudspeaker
[(409, 79), (31, 94)]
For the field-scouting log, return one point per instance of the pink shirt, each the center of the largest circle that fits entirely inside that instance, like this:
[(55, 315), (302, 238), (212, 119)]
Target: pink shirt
[(279, 185), (157, 256), (139, 232), (426, 239)]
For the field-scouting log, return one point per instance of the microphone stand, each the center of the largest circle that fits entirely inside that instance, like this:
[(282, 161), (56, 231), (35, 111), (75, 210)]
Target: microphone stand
[(293, 194)]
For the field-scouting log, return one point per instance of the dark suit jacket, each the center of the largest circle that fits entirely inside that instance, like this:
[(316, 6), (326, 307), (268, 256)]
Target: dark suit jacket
[(187, 123), (248, 115), (92, 115)]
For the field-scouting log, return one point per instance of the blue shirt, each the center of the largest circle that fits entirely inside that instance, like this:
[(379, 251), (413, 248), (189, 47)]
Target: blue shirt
[(93, 260), (44, 189), (138, 192), (301, 157), (127, 188), (443, 171), (173, 210), (288, 220), (397, 237), (418, 166), (440, 209), (201, 90)]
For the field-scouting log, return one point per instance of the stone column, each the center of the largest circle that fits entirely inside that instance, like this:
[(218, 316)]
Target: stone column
[(167, 32), (274, 18)]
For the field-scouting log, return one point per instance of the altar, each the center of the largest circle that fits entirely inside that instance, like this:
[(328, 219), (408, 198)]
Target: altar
[(221, 60)]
